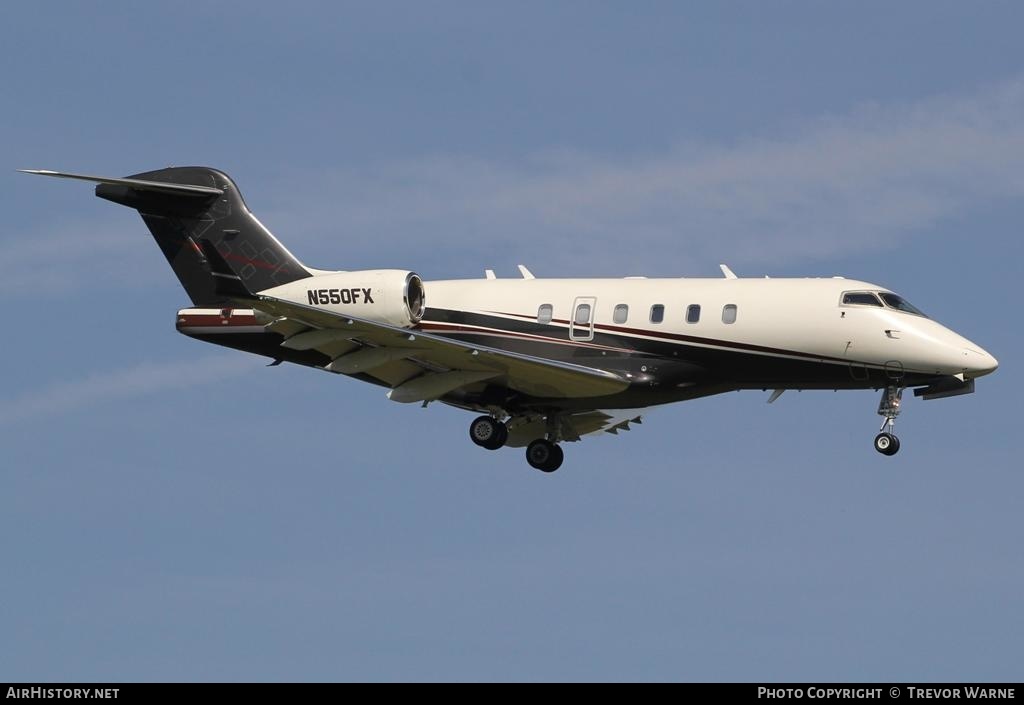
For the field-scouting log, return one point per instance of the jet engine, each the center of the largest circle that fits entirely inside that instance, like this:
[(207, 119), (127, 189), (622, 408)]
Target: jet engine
[(391, 296)]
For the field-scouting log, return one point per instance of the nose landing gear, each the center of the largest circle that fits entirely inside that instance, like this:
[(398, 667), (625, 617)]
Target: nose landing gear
[(886, 442)]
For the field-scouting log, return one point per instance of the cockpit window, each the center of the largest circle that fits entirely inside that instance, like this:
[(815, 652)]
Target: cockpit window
[(900, 304), (863, 298)]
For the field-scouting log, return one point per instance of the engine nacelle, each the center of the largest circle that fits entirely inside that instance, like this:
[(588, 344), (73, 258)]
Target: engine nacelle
[(392, 296)]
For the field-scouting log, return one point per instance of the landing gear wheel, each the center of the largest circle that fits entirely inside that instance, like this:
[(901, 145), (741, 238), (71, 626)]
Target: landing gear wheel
[(887, 444), (487, 432), (503, 439), (544, 455), (556, 459)]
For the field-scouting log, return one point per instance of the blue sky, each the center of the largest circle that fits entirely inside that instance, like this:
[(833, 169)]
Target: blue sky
[(172, 511)]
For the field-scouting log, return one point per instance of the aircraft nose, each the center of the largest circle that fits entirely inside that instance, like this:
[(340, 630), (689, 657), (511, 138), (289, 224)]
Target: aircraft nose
[(979, 362)]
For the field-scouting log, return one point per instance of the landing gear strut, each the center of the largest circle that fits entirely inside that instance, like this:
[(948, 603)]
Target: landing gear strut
[(886, 442), (488, 432)]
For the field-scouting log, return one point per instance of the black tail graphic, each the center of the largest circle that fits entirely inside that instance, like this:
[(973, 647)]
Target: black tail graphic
[(218, 249)]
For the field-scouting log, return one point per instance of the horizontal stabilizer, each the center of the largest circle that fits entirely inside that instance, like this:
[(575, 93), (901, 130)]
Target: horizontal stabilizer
[(137, 184)]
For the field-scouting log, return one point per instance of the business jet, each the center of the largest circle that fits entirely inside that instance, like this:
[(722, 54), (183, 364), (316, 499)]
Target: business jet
[(542, 361)]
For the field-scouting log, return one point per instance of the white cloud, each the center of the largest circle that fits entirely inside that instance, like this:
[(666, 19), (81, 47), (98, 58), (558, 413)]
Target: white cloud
[(835, 185), (101, 387), (838, 185), (58, 257)]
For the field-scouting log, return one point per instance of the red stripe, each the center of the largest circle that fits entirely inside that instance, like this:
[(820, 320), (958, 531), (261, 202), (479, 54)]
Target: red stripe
[(697, 340), (245, 260)]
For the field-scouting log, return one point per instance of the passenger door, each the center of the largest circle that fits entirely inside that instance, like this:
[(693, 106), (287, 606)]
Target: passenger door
[(581, 325)]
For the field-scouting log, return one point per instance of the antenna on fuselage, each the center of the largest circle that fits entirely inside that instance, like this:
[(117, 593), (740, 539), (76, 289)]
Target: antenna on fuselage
[(775, 395)]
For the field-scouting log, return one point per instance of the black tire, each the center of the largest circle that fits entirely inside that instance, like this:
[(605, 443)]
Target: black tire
[(503, 437), (556, 460), (487, 432), (887, 444), (544, 455), (895, 446)]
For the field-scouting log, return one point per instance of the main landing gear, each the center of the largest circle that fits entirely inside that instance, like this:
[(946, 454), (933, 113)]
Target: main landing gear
[(491, 433), (488, 432), (544, 455), (886, 442)]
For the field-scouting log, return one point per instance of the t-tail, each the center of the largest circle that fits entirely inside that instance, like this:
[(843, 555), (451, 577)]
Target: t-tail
[(218, 249)]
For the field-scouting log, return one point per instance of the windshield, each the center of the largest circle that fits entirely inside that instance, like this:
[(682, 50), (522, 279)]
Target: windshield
[(900, 304), (862, 298)]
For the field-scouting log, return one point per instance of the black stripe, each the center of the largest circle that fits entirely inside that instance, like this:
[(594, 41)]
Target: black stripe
[(701, 340), (669, 358)]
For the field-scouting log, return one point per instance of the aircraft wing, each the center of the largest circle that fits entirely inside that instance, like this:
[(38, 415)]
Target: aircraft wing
[(422, 366)]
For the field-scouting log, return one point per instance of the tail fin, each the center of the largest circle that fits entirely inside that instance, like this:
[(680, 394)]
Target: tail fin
[(216, 247)]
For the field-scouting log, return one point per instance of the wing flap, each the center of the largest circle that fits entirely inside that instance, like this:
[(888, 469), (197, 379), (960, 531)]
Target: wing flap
[(435, 385), (367, 359)]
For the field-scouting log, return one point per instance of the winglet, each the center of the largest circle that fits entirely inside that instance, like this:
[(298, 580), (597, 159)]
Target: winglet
[(727, 272), (489, 274), (527, 274)]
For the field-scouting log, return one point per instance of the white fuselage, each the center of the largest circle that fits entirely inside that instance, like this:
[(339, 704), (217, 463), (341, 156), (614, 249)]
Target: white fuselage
[(799, 316), (755, 324)]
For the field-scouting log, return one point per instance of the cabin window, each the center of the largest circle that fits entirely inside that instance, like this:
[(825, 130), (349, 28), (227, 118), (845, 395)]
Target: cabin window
[(657, 313), (861, 298), (620, 314), (729, 313), (582, 317), (544, 313), (693, 313)]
